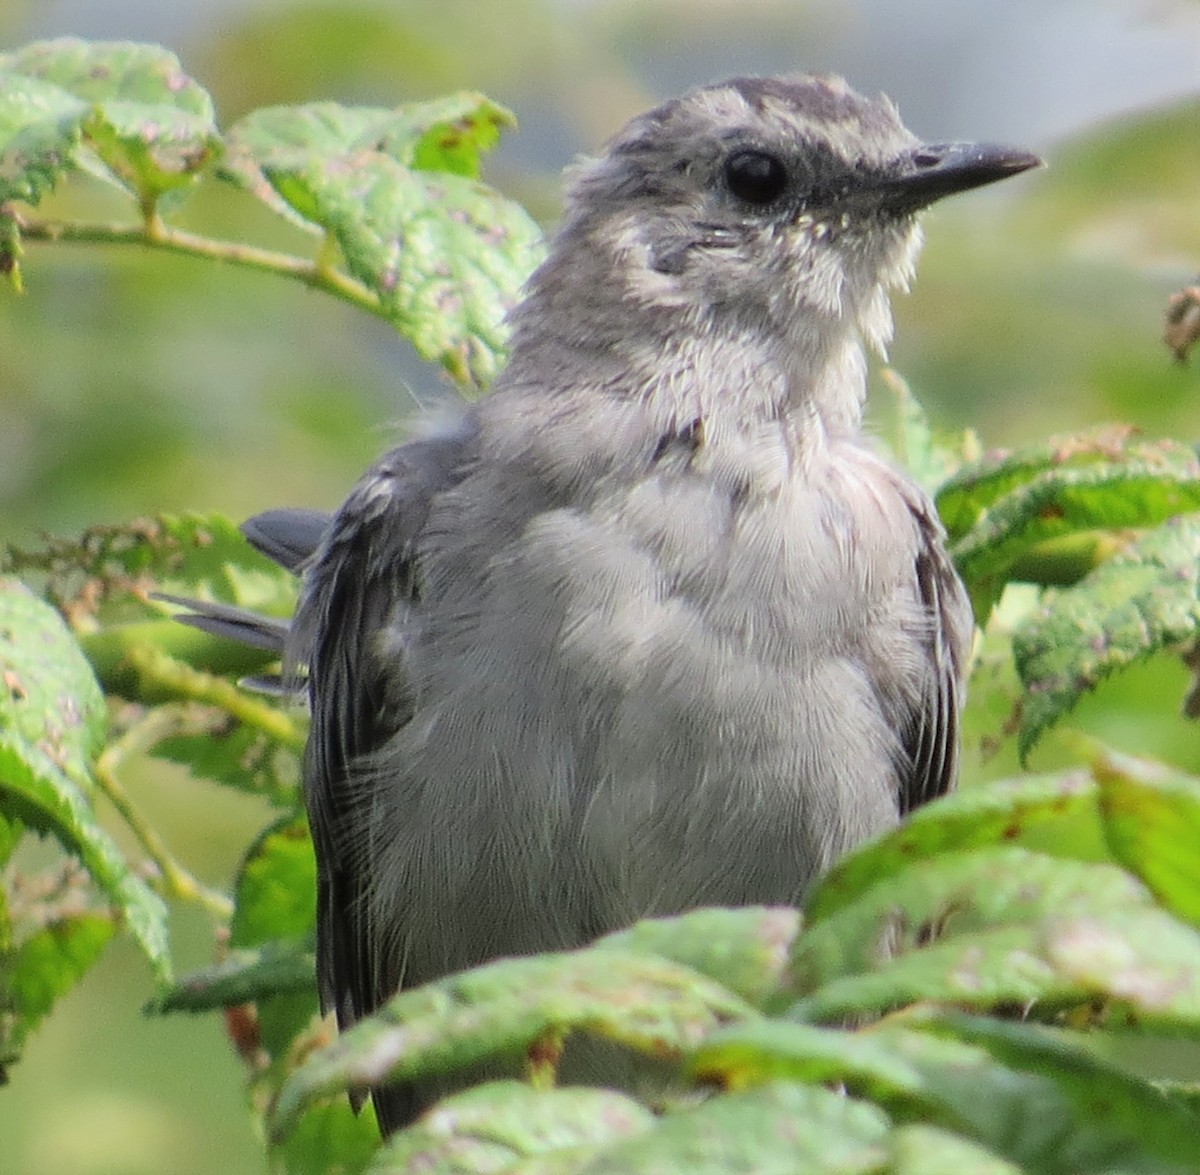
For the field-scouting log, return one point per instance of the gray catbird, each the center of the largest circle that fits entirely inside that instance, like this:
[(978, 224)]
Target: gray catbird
[(654, 627)]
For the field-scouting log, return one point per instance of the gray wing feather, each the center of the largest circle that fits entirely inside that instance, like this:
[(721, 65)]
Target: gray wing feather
[(932, 741), (289, 536), (364, 574)]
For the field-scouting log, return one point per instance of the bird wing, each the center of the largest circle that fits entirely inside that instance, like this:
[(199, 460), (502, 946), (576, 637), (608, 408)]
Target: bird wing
[(931, 738), (358, 585)]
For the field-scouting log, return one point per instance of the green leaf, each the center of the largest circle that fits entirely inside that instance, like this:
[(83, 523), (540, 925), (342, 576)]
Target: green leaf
[(1109, 1112), (1002, 927), (781, 1127), (1152, 822), (276, 891), (398, 191), (1085, 490), (102, 579), (1009, 1088), (290, 136), (244, 977), (44, 967), (1056, 814), (238, 757), (446, 255), (971, 495), (1141, 601), (151, 125), (451, 134), (919, 1150), (52, 725), (494, 1126), (50, 705), (646, 1003), (40, 130), (104, 71), (275, 903), (745, 950), (330, 1139), (152, 149)]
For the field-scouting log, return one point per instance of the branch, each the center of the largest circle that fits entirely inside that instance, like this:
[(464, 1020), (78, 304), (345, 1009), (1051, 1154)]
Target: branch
[(152, 233), (177, 881)]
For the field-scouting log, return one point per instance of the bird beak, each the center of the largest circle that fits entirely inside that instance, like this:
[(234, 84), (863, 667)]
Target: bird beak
[(941, 169)]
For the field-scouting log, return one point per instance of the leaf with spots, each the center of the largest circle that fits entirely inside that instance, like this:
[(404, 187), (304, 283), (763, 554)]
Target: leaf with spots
[(1013, 1090), (499, 1124), (1057, 814), (1007, 517), (40, 130), (1137, 603), (398, 191), (778, 1128), (644, 1002), (1001, 927), (446, 255), (149, 124), (52, 726)]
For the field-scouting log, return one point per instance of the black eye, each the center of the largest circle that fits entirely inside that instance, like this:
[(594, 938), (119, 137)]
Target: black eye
[(758, 177)]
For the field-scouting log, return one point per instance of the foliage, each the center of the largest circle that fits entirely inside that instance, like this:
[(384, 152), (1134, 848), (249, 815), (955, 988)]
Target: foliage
[(960, 979)]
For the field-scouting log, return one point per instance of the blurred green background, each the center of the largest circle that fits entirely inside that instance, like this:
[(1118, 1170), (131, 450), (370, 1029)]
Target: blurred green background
[(133, 384)]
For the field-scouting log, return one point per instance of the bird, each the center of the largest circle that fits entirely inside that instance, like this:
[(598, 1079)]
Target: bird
[(653, 625)]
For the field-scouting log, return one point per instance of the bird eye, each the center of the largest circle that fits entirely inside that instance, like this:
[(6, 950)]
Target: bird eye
[(757, 177)]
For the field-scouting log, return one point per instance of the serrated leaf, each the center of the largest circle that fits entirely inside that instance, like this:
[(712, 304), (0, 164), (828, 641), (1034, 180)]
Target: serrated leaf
[(52, 724), (495, 1126), (1057, 814), (646, 1003), (745, 950), (290, 135), (780, 1128), (44, 967), (451, 134), (103, 71), (1002, 927), (397, 190), (50, 704), (238, 757), (1141, 601), (1014, 1090), (446, 255), (1109, 1109), (1141, 486), (40, 129), (967, 497), (149, 122), (244, 977), (1152, 822)]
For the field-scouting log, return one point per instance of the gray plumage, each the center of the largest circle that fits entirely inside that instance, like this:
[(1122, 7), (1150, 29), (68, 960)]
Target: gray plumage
[(655, 627)]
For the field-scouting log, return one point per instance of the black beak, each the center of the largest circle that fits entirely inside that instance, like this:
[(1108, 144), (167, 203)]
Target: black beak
[(936, 170)]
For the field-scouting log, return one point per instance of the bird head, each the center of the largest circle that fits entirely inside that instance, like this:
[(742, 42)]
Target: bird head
[(780, 203)]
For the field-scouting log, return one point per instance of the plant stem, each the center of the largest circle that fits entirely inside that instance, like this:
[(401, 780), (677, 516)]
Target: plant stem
[(155, 667), (153, 233), (178, 882)]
